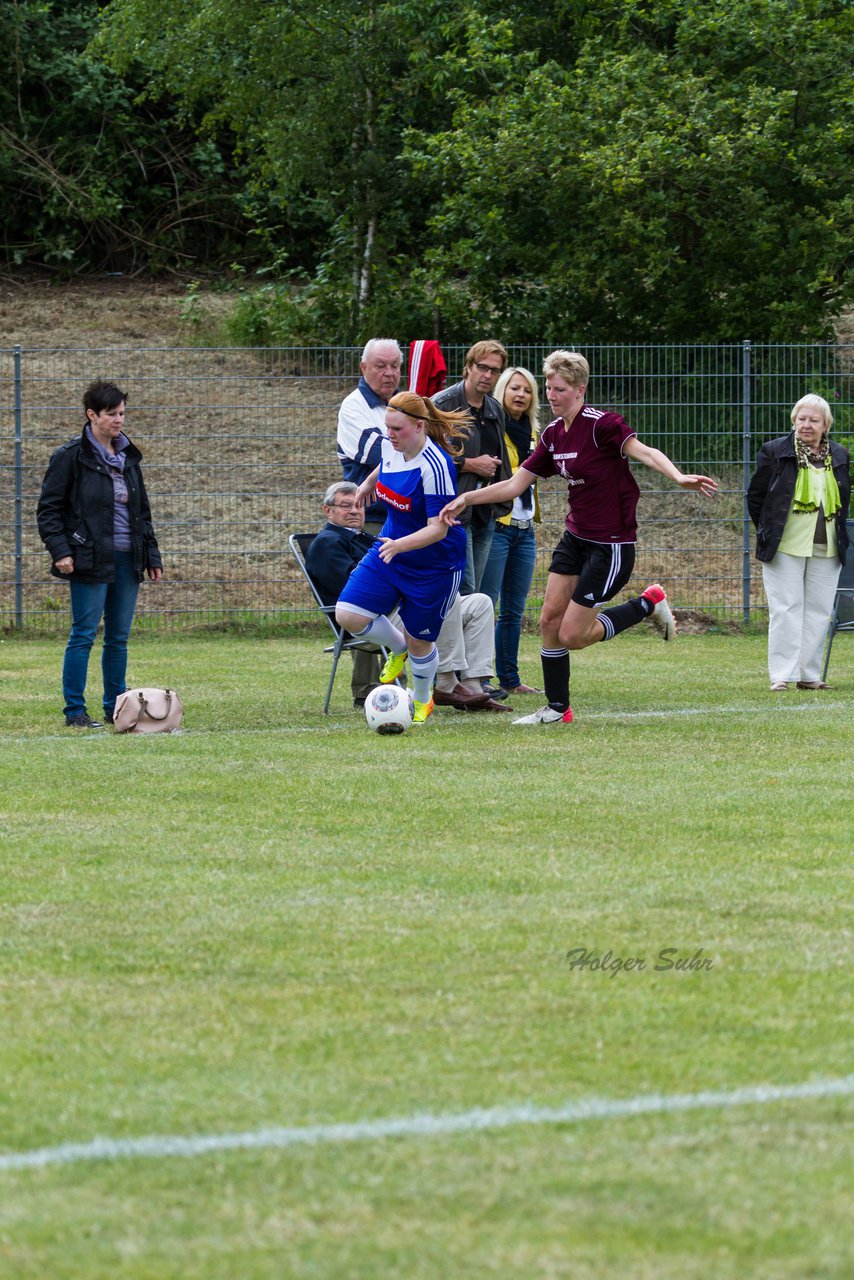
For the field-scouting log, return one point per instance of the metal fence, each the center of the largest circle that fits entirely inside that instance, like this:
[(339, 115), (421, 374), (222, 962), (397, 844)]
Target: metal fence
[(239, 446)]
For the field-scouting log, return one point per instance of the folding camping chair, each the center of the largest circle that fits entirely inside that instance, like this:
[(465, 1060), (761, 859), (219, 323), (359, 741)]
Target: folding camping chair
[(842, 618), (299, 544)]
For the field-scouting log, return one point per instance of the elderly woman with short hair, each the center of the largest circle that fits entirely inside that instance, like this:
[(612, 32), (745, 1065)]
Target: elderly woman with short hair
[(798, 499)]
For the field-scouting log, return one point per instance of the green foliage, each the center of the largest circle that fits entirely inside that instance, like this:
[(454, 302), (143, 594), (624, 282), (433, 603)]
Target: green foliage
[(317, 97), (203, 320), (600, 169), (90, 177), (282, 313), (684, 177)]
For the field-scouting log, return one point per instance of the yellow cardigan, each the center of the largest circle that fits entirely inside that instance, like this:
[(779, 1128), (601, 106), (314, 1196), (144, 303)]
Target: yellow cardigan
[(513, 455)]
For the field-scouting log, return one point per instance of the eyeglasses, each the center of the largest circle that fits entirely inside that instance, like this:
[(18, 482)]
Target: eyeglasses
[(345, 506), (488, 368)]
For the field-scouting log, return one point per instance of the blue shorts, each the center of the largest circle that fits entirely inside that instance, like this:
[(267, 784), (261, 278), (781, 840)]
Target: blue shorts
[(423, 598)]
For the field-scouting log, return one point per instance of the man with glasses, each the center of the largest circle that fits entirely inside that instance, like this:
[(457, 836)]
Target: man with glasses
[(331, 558), (361, 418), (484, 459), (464, 643)]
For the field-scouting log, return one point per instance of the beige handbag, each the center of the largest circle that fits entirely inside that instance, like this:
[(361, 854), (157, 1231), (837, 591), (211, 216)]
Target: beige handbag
[(148, 711)]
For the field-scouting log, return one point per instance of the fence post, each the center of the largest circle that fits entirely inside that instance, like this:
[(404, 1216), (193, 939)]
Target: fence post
[(746, 468), (19, 525)]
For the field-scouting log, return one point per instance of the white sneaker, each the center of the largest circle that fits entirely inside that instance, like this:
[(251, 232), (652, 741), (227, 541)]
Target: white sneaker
[(547, 715), (662, 615)]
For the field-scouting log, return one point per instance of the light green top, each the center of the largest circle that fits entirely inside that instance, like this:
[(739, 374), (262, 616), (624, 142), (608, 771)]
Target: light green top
[(799, 532)]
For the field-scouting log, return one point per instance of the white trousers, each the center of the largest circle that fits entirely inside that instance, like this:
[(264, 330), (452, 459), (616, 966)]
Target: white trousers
[(466, 640), (800, 592)]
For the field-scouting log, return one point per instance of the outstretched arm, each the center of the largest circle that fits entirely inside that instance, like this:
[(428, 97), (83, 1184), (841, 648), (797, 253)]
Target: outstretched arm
[(659, 461), (504, 491)]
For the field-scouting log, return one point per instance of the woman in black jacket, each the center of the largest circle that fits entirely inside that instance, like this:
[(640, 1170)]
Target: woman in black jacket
[(94, 519), (798, 499)]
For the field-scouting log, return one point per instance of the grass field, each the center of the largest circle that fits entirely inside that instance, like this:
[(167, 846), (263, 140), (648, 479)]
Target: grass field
[(277, 922)]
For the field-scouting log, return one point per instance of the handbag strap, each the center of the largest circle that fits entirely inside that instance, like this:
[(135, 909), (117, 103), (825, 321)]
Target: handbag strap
[(143, 706)]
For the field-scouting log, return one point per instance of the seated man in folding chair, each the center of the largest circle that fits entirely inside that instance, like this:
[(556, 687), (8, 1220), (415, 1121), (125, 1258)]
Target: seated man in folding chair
[(465, 641), (332, 556)]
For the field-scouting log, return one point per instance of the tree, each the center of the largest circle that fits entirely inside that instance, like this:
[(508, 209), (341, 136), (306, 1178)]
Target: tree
[(685, 178), (613, 169), (318, 95), (88, 178)]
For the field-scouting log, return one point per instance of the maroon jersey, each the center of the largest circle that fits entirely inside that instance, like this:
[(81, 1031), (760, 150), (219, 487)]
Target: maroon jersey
[(602, 492)]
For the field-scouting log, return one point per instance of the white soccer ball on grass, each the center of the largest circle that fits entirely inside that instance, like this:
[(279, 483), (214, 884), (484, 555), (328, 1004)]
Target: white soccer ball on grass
[(389, 709)]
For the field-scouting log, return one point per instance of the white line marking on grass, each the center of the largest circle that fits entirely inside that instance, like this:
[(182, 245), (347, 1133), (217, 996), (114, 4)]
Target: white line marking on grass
[(419, 1126), (676, 712), (339, 726)]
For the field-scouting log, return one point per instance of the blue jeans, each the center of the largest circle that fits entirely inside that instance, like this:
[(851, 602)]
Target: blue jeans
[(116, 602), (478, 543), (507, 576)]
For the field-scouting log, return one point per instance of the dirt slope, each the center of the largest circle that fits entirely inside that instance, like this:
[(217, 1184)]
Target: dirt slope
[(102, 311)]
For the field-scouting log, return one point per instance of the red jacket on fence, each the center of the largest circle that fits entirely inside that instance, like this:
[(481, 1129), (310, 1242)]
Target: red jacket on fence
[(427, 369)]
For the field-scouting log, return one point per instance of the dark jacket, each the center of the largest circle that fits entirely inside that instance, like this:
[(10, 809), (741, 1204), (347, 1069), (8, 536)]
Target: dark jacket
[(75, 513), (453, 398), (772, 487), (332, 556)]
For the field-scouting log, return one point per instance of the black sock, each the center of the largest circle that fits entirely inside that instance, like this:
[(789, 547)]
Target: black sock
[(623, 616), (556, 677)]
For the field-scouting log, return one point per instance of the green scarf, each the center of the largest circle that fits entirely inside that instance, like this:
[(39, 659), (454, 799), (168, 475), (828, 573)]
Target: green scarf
[(806, 498)]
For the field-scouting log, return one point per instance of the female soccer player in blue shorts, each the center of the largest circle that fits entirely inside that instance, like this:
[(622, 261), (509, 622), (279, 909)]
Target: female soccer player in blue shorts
[(417, 563), (595, 557)]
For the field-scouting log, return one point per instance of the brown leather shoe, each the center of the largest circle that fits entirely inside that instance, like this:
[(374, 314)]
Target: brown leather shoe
[(521, 688), (812, 684), (461, 698), (491, 705)]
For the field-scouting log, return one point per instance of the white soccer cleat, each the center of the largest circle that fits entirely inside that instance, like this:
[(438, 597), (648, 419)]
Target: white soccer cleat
[(662, 615), (547, 715)]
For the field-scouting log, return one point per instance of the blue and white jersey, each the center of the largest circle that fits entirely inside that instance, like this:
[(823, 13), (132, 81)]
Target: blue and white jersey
[(413, 492)]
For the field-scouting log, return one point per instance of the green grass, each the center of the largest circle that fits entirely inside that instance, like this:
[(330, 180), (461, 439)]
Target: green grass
[(277, 918)]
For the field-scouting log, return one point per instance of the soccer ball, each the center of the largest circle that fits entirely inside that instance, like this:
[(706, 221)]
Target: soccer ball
[(388, 709)]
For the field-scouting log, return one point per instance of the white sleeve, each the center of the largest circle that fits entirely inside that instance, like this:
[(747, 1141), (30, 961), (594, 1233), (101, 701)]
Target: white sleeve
[(359, 428), (437, 478)]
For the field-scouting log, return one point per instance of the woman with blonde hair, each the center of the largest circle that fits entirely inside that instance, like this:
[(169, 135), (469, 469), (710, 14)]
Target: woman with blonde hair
[(513, 553), (417, 563), (798, 499)]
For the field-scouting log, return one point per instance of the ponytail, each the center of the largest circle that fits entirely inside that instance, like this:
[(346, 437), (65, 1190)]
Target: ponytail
[(445, 429)]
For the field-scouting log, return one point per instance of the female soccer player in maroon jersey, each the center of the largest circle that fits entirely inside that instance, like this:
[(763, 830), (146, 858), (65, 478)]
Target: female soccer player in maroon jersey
[(596, 554)]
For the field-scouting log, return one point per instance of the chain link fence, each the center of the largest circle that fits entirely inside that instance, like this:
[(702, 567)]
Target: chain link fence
[(239, 446)]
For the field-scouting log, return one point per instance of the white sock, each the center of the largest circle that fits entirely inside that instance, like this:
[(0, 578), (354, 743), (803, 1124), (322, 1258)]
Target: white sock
[(423, 674), (383, 632)]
